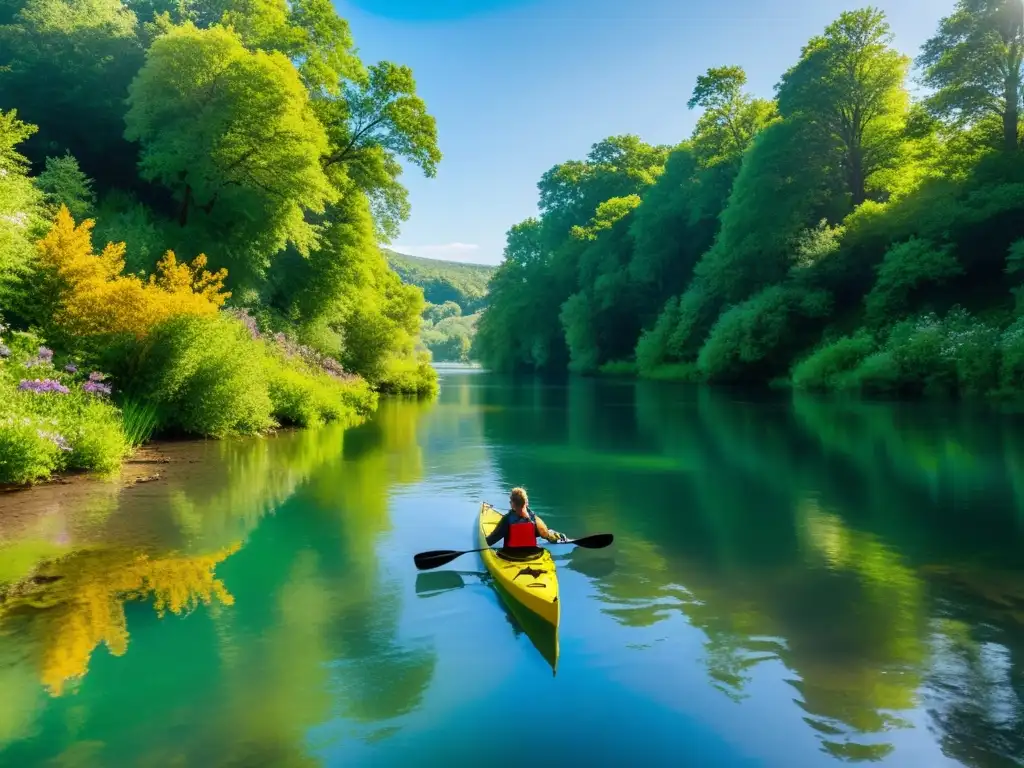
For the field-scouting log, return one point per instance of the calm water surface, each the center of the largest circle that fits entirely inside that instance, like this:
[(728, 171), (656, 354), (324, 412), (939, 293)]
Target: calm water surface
[(793, 583)]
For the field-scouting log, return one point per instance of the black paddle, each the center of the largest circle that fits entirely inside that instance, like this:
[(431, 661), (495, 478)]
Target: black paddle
[(438, 557)]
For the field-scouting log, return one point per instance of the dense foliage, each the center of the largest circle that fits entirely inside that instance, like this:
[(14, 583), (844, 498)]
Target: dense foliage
[(456, 294), (840, 236), (442, 281), (236, 165)]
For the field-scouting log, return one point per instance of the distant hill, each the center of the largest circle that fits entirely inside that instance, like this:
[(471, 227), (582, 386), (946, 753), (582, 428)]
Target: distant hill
[(456, 294), (441, 281)]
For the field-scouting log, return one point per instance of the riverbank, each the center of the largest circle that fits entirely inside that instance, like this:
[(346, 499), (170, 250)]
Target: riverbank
[(994, 375), (165, 273), (112, 361)]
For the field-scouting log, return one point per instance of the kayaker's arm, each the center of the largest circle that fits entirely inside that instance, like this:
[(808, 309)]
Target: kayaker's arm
[(499, 532), (544, 531)]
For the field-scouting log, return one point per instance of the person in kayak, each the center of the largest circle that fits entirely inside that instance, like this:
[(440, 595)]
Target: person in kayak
[(520, 527)]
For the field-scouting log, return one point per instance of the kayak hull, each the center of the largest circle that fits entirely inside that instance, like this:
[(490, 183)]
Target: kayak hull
[(530, 580)]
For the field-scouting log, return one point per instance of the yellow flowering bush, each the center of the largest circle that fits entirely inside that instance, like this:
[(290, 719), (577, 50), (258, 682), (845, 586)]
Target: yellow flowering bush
[(94, 298)]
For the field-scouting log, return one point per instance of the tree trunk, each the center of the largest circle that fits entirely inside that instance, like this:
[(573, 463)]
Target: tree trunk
[(1011, 117), (855, 176), (183, 212)]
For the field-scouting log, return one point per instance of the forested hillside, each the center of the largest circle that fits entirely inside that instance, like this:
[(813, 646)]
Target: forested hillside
[(455, 292), (191, 198), (441, 281), (840, 235)]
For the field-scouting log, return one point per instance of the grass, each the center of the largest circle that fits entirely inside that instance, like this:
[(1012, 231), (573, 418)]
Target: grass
[(139, 420)]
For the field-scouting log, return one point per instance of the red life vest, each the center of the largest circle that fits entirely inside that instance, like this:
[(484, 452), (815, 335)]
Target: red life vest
[(522, 534)]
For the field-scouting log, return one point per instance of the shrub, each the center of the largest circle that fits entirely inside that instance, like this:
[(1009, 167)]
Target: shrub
[(1011, 374), (26, 454), (93, 298), (211, 377), (917, 348), (828, 368), (696, 316), (619, 368), (652, 349), (306, 397), (53, 420), (976, 354), (403, 376), (204, 375), (878, 375), (906, 267), (758, 336), (953, 355)]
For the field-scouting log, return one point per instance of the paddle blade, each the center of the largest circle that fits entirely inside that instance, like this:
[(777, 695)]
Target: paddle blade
[(597, 541), (435, 558), (429, 584)]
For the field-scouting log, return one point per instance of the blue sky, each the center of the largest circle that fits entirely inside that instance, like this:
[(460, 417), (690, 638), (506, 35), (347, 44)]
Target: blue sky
[(518, 86)]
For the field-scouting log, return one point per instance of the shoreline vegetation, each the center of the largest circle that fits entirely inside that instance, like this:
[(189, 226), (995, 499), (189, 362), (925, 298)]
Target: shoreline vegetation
[(841, 237), (193, 204)]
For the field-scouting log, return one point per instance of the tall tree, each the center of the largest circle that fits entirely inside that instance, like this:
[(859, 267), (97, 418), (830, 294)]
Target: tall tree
[(520, 328), (231, 133), (849, 83), (378, 121), (731, 117), (976, 65)]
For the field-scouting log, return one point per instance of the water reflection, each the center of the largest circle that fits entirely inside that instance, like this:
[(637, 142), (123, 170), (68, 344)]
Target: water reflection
[(805, 533), (273, 540), (844, 575)]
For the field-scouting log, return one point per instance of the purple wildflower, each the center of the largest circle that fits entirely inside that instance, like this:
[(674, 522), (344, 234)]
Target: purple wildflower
[(71, 368), (248, 321), (41, 386), (96, 388), (45, 354), (96, 376), (56, 438), (5, 351)]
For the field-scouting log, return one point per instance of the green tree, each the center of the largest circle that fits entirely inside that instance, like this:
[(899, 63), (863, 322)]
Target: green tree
[(520, 328), (680, 215), (849, 85), (230, 132), (731, 118), (19, 214), (975, 63), (63, 183), (380, 121), (435, 313), (66, 65)]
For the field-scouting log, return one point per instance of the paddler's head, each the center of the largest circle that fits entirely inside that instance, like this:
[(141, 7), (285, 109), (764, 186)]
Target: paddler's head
[(519, 501)]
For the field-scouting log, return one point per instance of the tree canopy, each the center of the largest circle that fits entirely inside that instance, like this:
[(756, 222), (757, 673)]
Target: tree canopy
[(246, 130), (975, 63), (844, 230)]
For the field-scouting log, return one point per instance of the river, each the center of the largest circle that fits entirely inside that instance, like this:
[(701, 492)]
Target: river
[(793, 582)]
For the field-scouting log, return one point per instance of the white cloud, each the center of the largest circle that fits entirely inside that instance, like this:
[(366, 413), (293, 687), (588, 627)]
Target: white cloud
[(448, 251)]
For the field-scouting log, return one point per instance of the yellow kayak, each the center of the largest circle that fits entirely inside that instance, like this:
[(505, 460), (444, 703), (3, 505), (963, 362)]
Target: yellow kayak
[(529, 580)]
